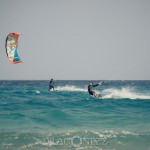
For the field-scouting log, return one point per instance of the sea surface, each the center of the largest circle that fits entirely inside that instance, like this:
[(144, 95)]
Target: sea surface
[(68, 118)]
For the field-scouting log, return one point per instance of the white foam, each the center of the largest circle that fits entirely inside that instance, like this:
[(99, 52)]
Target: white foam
[(71, 88), (123, 93), (38, 92)]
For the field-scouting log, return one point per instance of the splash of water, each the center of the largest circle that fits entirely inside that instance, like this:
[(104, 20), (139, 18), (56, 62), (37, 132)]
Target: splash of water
[(123, 93)]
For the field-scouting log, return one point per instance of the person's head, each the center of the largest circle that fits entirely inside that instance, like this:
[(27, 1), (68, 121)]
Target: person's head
[(91, 83), (51, 79)]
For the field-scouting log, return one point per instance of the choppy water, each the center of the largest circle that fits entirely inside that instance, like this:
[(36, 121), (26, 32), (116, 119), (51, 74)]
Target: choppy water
[(31, 117)]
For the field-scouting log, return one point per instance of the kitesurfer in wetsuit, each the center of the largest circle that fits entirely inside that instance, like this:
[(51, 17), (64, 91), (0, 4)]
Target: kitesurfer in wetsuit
[(90, 86), (51, 84)]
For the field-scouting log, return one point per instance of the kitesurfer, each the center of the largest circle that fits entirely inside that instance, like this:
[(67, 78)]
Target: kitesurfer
[(90, 86), (51, 84)]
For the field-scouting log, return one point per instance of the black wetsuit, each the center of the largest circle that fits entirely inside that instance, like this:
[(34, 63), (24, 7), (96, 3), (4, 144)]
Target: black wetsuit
[(51, 85), (90, 89)]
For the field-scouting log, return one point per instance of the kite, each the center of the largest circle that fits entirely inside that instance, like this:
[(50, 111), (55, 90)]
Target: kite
[(11, 46)]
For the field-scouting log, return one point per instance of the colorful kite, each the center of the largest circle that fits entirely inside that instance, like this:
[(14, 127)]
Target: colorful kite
[(11, 46)]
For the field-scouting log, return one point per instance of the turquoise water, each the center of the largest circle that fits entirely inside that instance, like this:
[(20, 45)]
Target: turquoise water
[(32, 118)]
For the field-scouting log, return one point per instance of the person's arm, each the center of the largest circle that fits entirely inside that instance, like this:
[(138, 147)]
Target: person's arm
[(100, 83), (95, 85)]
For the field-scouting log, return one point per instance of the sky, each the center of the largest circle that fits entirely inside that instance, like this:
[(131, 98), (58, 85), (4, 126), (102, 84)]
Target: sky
[(77, 39)]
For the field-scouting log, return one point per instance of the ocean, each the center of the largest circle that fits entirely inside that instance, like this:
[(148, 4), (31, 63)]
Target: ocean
[(33, 118)]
